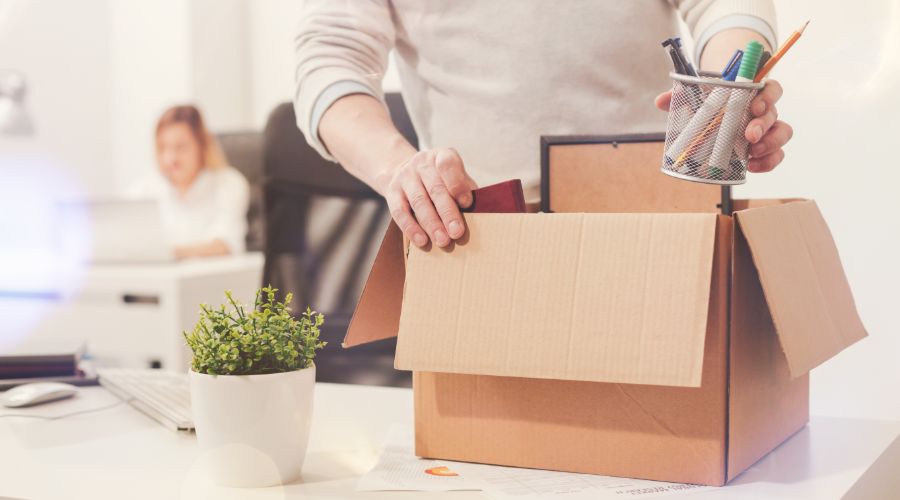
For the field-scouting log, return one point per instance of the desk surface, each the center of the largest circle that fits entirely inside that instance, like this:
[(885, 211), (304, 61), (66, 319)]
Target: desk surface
[(120, 453)]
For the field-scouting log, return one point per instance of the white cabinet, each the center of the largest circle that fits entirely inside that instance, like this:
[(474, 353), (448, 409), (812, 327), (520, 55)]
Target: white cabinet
[(129, 315)]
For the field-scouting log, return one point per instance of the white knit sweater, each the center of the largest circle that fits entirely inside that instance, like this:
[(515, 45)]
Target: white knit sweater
[(489, 77)]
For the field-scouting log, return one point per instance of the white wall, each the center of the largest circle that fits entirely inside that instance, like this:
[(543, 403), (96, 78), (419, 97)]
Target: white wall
[(150, 69), (66, 65), (62, 48), (220, 62), (272, 25), (167, 52), (841, 81)]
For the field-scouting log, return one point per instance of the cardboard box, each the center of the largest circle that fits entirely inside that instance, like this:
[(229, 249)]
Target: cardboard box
[(667, 346)]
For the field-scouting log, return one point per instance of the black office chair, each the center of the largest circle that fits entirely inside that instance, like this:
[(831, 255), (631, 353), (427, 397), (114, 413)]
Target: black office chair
[(323, 228)]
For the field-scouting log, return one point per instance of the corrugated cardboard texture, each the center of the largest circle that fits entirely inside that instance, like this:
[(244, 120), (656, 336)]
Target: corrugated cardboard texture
[(803, 280), (766, 405), (621, 178), (596, 297), (654, 432), (377, 315)]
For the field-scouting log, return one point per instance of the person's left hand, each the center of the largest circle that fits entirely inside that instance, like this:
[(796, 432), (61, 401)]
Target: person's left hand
[(766, 133)]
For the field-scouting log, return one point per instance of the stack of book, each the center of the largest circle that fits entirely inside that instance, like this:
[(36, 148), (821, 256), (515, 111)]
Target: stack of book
[(31, 361)]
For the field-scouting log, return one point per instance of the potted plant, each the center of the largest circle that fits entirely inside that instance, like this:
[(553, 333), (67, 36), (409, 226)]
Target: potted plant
[(252, 378)]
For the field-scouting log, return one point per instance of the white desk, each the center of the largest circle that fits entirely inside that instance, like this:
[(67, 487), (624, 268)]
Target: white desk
[(131, 314), (119, 453)]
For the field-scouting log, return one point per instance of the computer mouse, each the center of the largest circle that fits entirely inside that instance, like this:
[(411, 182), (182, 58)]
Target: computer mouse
[(36, 393)]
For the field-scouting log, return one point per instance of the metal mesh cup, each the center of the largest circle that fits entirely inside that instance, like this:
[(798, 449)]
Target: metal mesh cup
[(705, 139)]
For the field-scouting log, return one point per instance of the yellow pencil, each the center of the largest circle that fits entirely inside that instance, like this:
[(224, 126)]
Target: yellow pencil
[(777, 55)]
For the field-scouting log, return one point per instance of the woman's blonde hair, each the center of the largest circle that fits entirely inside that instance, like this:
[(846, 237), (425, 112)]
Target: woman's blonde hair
[(211, 154)]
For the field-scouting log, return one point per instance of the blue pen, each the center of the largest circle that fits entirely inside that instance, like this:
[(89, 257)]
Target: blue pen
[(733, 73), (733, 65)]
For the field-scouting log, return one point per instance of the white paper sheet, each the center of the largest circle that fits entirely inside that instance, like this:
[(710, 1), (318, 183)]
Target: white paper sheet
[(399, 469), (507, 483)]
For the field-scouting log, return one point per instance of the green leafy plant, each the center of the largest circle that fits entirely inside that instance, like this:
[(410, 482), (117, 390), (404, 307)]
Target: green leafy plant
[(233, 341)]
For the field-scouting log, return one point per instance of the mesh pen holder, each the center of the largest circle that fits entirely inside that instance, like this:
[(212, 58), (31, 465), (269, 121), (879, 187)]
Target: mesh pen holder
[(705, 139)]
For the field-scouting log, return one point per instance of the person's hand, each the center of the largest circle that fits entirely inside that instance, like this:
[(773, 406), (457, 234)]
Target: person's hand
[(424, 195), (766, 133)]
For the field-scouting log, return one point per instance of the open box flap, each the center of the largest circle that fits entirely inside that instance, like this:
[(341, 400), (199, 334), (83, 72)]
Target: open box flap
[(377, 314), (596, 297), (803, 281)]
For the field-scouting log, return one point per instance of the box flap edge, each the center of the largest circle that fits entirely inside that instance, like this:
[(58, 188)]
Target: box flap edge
[(377, 314)]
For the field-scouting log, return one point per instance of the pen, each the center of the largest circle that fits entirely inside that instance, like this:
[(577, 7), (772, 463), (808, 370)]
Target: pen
[(724, 97), (733, 71), (687, 140), (737, 103), (675, 61), (732, 75), (750, 62), (734, 62), (668, 44), (699, 138), (698, 127), (684, 60), (779, 53), (766, 55), (693, 93)]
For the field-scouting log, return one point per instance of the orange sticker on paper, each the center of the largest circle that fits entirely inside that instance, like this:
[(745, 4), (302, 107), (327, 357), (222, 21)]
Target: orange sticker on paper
[(440, 471)]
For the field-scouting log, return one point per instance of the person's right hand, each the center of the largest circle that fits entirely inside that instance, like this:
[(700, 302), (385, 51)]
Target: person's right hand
[(425, 193)]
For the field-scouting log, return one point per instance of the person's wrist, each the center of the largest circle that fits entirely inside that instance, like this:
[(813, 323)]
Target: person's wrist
[(383, 178), (399, 152)]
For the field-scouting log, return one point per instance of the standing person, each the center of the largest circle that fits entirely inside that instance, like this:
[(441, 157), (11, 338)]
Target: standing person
[(484, 80), (202, 199)]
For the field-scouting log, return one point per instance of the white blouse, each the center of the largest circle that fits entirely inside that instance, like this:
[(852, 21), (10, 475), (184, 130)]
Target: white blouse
[(214, 207)]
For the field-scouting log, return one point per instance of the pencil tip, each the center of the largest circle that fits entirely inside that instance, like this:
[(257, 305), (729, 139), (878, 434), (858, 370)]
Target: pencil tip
[(804, 26)]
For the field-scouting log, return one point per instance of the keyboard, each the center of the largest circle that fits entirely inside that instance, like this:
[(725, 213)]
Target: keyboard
[(162, 395)]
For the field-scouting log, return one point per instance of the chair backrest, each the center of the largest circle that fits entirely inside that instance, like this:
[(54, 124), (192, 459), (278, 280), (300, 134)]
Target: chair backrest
[(244, 151)]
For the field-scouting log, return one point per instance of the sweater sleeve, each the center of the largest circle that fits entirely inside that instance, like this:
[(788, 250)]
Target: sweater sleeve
[(338, 41), (705, 18)]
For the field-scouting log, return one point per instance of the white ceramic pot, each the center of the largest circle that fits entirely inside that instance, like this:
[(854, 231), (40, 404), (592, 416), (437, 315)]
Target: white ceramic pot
[(253, 429)]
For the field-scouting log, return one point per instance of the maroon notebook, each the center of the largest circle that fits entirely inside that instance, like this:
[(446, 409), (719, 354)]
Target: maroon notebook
[(504, 197)]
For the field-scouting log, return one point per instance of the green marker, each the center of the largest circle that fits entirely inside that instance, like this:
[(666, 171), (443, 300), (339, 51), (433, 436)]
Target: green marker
[(749, 62)]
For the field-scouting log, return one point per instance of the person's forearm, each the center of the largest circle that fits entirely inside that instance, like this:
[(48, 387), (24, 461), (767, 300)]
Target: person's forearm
[(359, 133), (210, 249), (721, 47)]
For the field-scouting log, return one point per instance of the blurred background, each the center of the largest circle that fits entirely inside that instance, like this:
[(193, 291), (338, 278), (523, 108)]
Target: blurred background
[(93, 77)]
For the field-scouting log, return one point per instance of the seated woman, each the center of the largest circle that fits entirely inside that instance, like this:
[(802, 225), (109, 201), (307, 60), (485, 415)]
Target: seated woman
[(203, 201)]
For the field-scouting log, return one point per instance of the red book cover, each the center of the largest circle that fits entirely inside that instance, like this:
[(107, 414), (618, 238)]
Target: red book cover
[(504, 197)]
